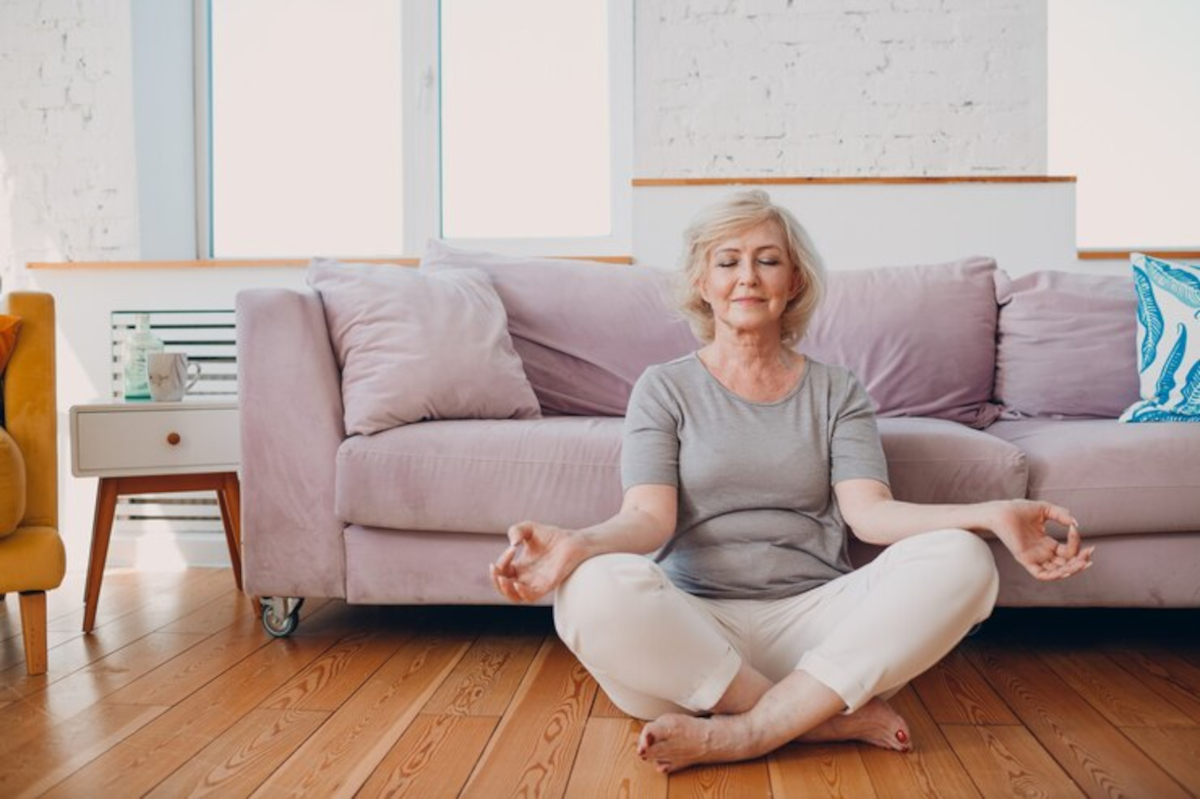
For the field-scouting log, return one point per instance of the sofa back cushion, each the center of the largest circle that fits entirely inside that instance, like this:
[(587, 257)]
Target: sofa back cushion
[(1067, 345), (585, 331), (414, 346), (920, 338)]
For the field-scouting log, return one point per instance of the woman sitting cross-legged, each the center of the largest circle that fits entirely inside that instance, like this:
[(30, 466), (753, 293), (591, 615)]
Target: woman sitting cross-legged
[(745, 467)]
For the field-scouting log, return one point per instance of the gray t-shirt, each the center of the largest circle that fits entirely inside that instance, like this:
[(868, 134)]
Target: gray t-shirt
[(757, 515)]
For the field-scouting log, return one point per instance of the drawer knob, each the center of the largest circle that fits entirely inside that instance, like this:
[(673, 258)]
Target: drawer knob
[(173, 439)]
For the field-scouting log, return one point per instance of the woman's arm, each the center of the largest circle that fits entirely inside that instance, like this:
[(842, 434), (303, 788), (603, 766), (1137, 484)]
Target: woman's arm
[(1020, 524), (875, 517), (540, 556)]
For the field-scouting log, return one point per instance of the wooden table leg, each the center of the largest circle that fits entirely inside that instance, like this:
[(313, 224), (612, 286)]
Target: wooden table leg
[(229, 498), (106, 508)]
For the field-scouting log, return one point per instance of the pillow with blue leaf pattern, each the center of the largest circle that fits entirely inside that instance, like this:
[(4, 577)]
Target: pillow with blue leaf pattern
[(1168, 340)]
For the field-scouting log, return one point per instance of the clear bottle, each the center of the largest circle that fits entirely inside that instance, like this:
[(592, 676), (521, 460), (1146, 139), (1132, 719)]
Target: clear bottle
[(138, 346)]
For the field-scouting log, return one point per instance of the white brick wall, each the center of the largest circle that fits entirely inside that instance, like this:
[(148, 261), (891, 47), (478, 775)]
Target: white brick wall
[(723, 88), (67, 170), (840, 87)]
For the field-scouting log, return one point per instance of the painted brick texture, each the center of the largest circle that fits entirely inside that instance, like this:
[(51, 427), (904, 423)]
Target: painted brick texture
[(67, 169), (857, 87)]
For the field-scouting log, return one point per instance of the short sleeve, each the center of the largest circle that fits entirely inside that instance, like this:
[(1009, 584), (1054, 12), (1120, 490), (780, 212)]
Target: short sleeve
[(855, 448), (650, 436)]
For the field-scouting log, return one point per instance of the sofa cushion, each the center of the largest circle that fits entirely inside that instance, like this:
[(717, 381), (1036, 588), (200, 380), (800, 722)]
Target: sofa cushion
[(921, 338), (9, 327), (1168, 341), (1114, 478), (12, 478), (481, 476), (935, 461), (1067, 345), (585, 331), (415, 346)]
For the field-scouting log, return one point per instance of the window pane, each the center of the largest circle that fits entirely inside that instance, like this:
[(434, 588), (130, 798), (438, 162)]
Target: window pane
[(306, 128), (1124, 109), (525, 118)]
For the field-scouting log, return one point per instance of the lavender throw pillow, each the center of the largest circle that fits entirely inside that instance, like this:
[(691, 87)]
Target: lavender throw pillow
[(1067, 347), (920, 338), (416, 346), (585, 331)]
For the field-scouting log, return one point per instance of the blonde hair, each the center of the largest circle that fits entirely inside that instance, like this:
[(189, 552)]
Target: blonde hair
[(739, 212)]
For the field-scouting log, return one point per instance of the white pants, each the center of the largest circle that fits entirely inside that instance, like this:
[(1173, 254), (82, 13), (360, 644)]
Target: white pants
[(656, 649)]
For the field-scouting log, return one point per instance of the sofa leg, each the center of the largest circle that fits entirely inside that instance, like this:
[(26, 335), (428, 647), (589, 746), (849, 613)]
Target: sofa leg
[(33, 628)]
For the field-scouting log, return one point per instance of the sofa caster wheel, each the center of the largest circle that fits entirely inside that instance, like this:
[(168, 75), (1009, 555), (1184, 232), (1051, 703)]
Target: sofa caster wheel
[(281, 615)]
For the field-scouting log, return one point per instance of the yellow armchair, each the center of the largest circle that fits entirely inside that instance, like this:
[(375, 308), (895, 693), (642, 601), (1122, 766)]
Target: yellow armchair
[(32, 557)]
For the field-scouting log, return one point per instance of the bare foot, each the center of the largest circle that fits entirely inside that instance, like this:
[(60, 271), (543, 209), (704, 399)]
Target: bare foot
[(673, 741), (874, 723)]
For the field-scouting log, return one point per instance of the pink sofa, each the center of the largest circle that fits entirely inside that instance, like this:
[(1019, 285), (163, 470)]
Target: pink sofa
[(986, 388)]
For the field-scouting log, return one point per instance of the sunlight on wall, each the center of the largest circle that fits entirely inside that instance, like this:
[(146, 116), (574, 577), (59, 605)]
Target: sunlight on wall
[(157, 551), (1124, 109)]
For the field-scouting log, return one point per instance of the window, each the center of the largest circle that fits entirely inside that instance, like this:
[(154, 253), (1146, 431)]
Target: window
[(362, 129), (1124, 108)]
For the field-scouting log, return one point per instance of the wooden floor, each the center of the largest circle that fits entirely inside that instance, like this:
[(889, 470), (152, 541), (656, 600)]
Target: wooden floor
[(179, 692)]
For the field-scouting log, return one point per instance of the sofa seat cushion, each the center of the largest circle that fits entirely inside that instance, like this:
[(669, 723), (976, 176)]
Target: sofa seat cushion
[(937, 461), (481, 476), (1114, 478)]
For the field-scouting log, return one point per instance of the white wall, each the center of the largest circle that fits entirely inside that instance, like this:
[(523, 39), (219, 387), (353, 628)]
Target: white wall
[(840, 87), (68, 183)]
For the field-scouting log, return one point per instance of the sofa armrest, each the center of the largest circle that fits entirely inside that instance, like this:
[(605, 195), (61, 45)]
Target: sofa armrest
[(290, 403), (30, 404)]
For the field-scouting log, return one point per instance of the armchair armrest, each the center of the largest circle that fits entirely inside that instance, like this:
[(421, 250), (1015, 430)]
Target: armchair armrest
[(291, 423), (31, 404)]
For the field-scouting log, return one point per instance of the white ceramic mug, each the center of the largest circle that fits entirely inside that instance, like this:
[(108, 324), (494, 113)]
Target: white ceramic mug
[(170, 375)]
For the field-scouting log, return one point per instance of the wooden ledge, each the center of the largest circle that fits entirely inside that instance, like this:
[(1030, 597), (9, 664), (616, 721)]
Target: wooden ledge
[(254, 263), (1119, 255), (782, 181)]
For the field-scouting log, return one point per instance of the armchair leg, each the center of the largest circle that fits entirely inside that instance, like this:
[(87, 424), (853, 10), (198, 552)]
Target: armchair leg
[(33, 627)]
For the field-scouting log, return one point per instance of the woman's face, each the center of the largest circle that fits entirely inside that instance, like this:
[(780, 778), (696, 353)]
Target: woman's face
[(749, 279)]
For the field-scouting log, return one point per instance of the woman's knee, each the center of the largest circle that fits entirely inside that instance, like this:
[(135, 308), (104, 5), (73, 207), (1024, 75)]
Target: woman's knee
[(602, 591), (968, 564)]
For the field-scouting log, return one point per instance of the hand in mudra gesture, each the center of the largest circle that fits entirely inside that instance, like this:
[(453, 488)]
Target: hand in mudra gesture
[(538, 558), (1021, 525)]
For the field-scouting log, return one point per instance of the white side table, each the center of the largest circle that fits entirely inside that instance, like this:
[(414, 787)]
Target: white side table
[(150, 447)]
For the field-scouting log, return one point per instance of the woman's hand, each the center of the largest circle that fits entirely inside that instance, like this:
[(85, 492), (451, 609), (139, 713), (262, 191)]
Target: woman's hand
[(1021, 525), (538, 558)]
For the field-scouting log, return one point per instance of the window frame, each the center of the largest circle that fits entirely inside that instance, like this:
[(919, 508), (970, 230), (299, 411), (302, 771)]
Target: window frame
[(421, 115)]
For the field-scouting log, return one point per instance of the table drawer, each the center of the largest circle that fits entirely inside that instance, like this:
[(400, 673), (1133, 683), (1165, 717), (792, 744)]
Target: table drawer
[(156, 441)]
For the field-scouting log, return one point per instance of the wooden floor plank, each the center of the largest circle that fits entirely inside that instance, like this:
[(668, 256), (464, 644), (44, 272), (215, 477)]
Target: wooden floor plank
[(1177, 751), (930, 769), (174, 681), (604, 708), (535, 744), (485, 681), (1169, 676), (143, 619), (143, 760), (1122, 698), (955, 693), (608, 766), (1101, 760), (37, 713), (241, 758), (342, 754), (229, 608), (63, 749), (341, 670), (804, 771), (434, 757), (750, 780), (1008, 761)]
